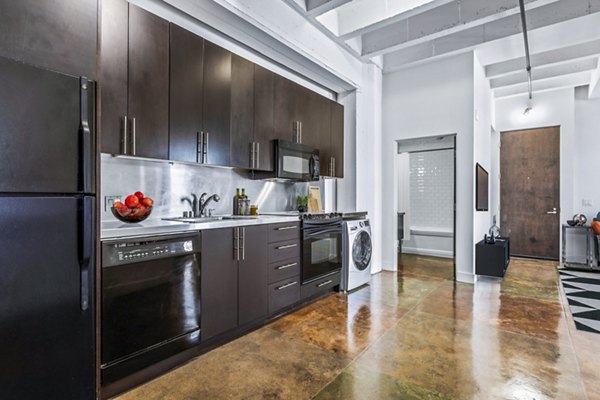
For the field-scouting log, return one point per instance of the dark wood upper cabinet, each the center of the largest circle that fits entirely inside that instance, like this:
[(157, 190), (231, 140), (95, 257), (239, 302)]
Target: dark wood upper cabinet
[(112, 85), (242, 112), (284, 110), (219, 282), (217, 104), (264, 129), (253, 275), (60, 35), (337, 138), (134, 81), (186, 95), (148, 98)]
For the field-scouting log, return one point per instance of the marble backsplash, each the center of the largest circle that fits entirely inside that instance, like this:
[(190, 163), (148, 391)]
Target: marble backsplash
[(167, 183)]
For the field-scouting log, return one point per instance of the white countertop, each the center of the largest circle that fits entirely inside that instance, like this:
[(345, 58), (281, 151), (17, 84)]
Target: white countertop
[(117, 229)]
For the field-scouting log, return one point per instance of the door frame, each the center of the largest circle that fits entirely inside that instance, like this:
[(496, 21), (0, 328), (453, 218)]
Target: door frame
[(560, 166), (394, 215)]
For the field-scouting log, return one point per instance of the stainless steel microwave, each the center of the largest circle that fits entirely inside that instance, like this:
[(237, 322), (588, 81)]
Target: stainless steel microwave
[(294, 161)]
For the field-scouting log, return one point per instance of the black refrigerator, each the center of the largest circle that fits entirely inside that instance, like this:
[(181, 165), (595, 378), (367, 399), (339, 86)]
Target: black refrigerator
[(47, 234)]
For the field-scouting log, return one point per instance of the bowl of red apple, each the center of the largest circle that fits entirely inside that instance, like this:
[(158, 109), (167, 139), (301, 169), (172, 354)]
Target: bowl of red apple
[(135, 208)]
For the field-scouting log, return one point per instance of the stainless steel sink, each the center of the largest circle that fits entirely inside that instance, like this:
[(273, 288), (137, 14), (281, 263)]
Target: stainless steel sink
[(239, 216), (194, 220)]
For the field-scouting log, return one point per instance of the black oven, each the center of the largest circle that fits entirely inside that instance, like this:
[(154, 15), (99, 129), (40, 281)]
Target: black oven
[(150, 301), (296, 161), (321, 248)]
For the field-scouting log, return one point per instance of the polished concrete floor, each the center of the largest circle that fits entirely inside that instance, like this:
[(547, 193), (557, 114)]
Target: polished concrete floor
[(414, 334)]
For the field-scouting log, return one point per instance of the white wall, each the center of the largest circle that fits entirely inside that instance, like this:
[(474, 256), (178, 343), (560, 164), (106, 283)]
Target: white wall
[(586, 186), (482, 142), (429, 100), (549, 109)]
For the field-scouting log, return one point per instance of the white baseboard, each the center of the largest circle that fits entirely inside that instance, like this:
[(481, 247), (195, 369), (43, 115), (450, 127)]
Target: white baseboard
[(428, 252)]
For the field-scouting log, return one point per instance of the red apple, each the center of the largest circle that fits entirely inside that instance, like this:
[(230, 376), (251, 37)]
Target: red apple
[(147, 201), (139, 195), (132, 201)]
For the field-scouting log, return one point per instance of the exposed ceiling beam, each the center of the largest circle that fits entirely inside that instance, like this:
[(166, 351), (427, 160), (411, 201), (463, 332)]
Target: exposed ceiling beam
[(542, 85), (318, 7), (448, 19), (566, 54), (368, 15), (466, 40), (594, 89), (545, 73)]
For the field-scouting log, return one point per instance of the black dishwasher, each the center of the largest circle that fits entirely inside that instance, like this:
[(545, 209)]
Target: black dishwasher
[(150, 301)]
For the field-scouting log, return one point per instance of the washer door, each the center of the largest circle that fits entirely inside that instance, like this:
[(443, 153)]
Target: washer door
[(361, 250)]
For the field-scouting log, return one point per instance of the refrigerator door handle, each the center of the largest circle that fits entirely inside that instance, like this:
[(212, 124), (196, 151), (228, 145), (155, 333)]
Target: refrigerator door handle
[(85, 247), (86, 141)]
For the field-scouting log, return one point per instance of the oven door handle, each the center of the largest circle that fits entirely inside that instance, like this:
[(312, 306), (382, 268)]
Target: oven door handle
[(319, 232)]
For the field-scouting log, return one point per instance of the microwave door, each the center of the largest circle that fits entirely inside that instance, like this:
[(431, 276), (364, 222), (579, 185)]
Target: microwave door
[(294, 165)]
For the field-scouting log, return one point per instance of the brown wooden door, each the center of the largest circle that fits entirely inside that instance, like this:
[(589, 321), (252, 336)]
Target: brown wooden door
[(530, 191), (187, 50), (219, 282), (253, 274), (148, 94)]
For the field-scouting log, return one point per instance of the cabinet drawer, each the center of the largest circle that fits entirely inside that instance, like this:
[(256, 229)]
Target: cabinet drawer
[(284, 231), (284, 250), (284, 269), (320, 286), (284, 293)]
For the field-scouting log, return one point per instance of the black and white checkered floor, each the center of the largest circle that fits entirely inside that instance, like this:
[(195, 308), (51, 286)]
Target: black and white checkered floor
[(583, 293)]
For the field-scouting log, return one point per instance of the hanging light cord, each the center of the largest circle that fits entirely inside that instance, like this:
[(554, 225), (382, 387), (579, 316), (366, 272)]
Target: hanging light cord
[(526, 40)]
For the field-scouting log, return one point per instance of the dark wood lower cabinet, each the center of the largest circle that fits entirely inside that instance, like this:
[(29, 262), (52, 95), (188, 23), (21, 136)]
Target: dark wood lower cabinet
[(219, 283), (253, 275)]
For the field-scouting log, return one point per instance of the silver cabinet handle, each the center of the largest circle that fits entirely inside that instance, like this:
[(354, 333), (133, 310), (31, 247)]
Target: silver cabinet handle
[(236, 244), (287, 285), (285, 228), (252, 155), (286, 266), (205, 160), (324, 283), (124, 143), (287, 246), (200, 147), (243, 243), (333, 166), (297, 128), (133, 150), (257, 158), (552, 212)]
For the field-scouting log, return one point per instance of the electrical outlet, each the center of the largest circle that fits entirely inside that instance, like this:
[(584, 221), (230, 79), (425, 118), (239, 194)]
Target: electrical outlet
[(586, 203), (109, 200)]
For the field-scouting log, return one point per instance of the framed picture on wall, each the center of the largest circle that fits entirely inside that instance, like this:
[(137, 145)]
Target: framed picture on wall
[(481, 188)]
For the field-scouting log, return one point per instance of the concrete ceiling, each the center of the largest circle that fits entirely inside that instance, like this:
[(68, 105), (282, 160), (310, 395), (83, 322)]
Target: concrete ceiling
[(395, 34)]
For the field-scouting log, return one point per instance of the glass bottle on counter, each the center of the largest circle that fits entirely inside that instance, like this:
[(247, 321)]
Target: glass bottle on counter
[(244, 196), (236, 202)]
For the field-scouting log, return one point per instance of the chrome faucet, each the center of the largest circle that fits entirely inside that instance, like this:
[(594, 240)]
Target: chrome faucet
[(194, 204), (203, 203)]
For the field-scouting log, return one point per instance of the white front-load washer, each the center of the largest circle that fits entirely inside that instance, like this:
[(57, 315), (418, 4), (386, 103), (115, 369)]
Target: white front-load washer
[(356, 255)]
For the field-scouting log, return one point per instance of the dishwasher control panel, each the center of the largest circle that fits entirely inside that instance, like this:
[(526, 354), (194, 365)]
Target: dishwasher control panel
[(130, 251)]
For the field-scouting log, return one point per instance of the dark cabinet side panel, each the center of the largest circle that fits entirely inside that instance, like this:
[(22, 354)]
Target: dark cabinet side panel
[(60, 35), (264, 130), (149, 82), (242, 111), (253, 275), (219, 282), (186, 86), (337, 137), (217, 106), (112, 84)]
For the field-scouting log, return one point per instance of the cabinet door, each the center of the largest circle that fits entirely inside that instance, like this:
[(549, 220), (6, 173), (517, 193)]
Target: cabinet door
[(59, 35), (284, 108), (185, 108), (217, 105), (264, 130), (148, 83), (337, 138), (253, 274), (242, 111), (112, 84), (219, 282)]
